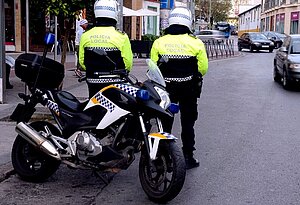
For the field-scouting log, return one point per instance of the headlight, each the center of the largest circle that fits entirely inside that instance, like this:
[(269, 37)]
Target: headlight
[(271, 44), (164, 96), (295, 66), (256, 43)]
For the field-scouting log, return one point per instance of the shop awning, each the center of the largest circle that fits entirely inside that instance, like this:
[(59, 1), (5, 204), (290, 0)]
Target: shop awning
[(146, 12), (129, 12), (140, 12)]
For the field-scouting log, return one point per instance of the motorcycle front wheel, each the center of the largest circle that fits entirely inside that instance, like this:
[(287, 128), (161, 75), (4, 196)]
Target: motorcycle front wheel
[(30, 163), (162, 179)]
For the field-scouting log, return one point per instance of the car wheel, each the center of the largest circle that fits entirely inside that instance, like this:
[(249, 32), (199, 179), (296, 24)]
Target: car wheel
[(276, 75), (251, 48), (286, 83), (271, 50)]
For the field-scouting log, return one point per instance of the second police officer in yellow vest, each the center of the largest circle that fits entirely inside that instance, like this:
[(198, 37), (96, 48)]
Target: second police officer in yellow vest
[(183, 68)]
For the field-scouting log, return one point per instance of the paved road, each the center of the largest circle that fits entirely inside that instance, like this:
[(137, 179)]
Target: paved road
[(248, 141), (247, 144)]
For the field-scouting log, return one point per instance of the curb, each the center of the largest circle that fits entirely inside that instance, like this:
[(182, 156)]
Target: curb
[(6, 170), (238, 54)]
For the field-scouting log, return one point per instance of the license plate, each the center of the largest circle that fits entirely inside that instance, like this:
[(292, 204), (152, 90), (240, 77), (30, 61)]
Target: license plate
[(265, 46)]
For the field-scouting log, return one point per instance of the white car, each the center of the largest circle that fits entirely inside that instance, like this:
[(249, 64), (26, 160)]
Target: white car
[(210, 35), (10, 64), (9, 61)]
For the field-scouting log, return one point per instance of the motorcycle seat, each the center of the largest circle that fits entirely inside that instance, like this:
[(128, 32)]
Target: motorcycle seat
[(67, 101)]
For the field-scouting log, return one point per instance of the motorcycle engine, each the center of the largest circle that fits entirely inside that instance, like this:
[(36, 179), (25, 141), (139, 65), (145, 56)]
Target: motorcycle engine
[(87, 145)]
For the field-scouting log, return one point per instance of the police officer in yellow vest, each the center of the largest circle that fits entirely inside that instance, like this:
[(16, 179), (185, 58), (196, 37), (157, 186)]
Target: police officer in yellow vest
[(104, 36), (185, 63)]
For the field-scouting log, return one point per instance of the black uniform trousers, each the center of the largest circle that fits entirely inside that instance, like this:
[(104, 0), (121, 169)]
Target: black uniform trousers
[(184, 94), (93, 88)]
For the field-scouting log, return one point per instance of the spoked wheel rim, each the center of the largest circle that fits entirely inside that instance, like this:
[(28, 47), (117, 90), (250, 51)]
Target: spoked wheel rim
[(31, 158), (163, 178), (158, 174)]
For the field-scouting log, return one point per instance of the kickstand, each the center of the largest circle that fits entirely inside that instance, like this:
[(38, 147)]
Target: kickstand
[(106, 177)]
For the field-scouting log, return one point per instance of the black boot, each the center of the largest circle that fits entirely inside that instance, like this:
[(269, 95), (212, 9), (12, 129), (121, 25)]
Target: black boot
[(191, 162)]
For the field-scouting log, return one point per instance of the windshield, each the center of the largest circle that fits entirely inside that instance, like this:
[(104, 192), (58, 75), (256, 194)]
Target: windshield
[(295, 47), (154, 73), (258, 36), (280, 35)]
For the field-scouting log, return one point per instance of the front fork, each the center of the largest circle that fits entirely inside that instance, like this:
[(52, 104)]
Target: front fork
[(152, 139)]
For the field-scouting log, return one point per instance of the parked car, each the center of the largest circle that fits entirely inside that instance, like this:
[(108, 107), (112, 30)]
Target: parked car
[(255, 41), (287, 61), (210, 35), (10, 64), (276, 37)]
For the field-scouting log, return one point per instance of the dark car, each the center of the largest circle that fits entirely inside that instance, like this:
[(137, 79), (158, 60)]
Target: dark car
[(287, 61), (276, 37), (255, 41)]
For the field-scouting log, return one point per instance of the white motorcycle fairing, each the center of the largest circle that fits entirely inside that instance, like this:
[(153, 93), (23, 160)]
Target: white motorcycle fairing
[(154, 139), (113, 111)]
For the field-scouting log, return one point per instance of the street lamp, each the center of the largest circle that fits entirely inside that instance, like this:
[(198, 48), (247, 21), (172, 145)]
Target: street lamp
[(210, 17)]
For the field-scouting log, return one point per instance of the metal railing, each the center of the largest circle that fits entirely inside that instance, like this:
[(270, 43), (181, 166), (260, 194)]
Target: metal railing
[(215, 48), (219, 48)]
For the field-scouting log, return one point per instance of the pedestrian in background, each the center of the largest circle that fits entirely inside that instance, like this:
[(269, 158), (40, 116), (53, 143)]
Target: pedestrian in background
[(185, 63), (83, 24), (104, 36)]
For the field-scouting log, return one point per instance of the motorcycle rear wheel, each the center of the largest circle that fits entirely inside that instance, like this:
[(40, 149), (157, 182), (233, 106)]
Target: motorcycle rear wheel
[(162, 179), (30, 163)]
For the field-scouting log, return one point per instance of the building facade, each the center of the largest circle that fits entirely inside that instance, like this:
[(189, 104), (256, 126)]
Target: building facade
[(249, 20), (281, 16), (239, 7), (39, 23)]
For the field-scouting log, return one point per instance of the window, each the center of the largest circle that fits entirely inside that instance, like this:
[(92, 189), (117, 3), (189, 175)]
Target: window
[(294, 22), (152, 22), (9, 22)]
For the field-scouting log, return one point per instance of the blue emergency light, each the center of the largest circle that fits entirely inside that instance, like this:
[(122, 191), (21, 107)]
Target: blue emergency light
[(173, 108), (142, 94)]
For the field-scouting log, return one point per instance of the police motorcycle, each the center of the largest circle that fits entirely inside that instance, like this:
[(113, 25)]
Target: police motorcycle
[(102, 134)]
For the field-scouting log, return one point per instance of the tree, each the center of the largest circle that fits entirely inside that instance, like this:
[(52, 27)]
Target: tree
[(219, 9), (67, 9)]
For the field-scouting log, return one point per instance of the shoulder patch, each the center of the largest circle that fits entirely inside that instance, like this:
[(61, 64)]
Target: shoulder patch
[(122, 32), (192, 35)]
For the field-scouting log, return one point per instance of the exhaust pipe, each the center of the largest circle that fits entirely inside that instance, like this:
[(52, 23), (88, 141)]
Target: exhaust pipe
[(37, 140)]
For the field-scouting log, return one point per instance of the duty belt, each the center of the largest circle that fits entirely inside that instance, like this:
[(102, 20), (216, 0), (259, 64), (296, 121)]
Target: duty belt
[(179, 79), (104, 80)]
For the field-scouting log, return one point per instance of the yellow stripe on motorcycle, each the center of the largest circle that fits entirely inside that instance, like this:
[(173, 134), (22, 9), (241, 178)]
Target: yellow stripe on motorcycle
[(107, 87), (154, 139), (162, 135), (94, 100)]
